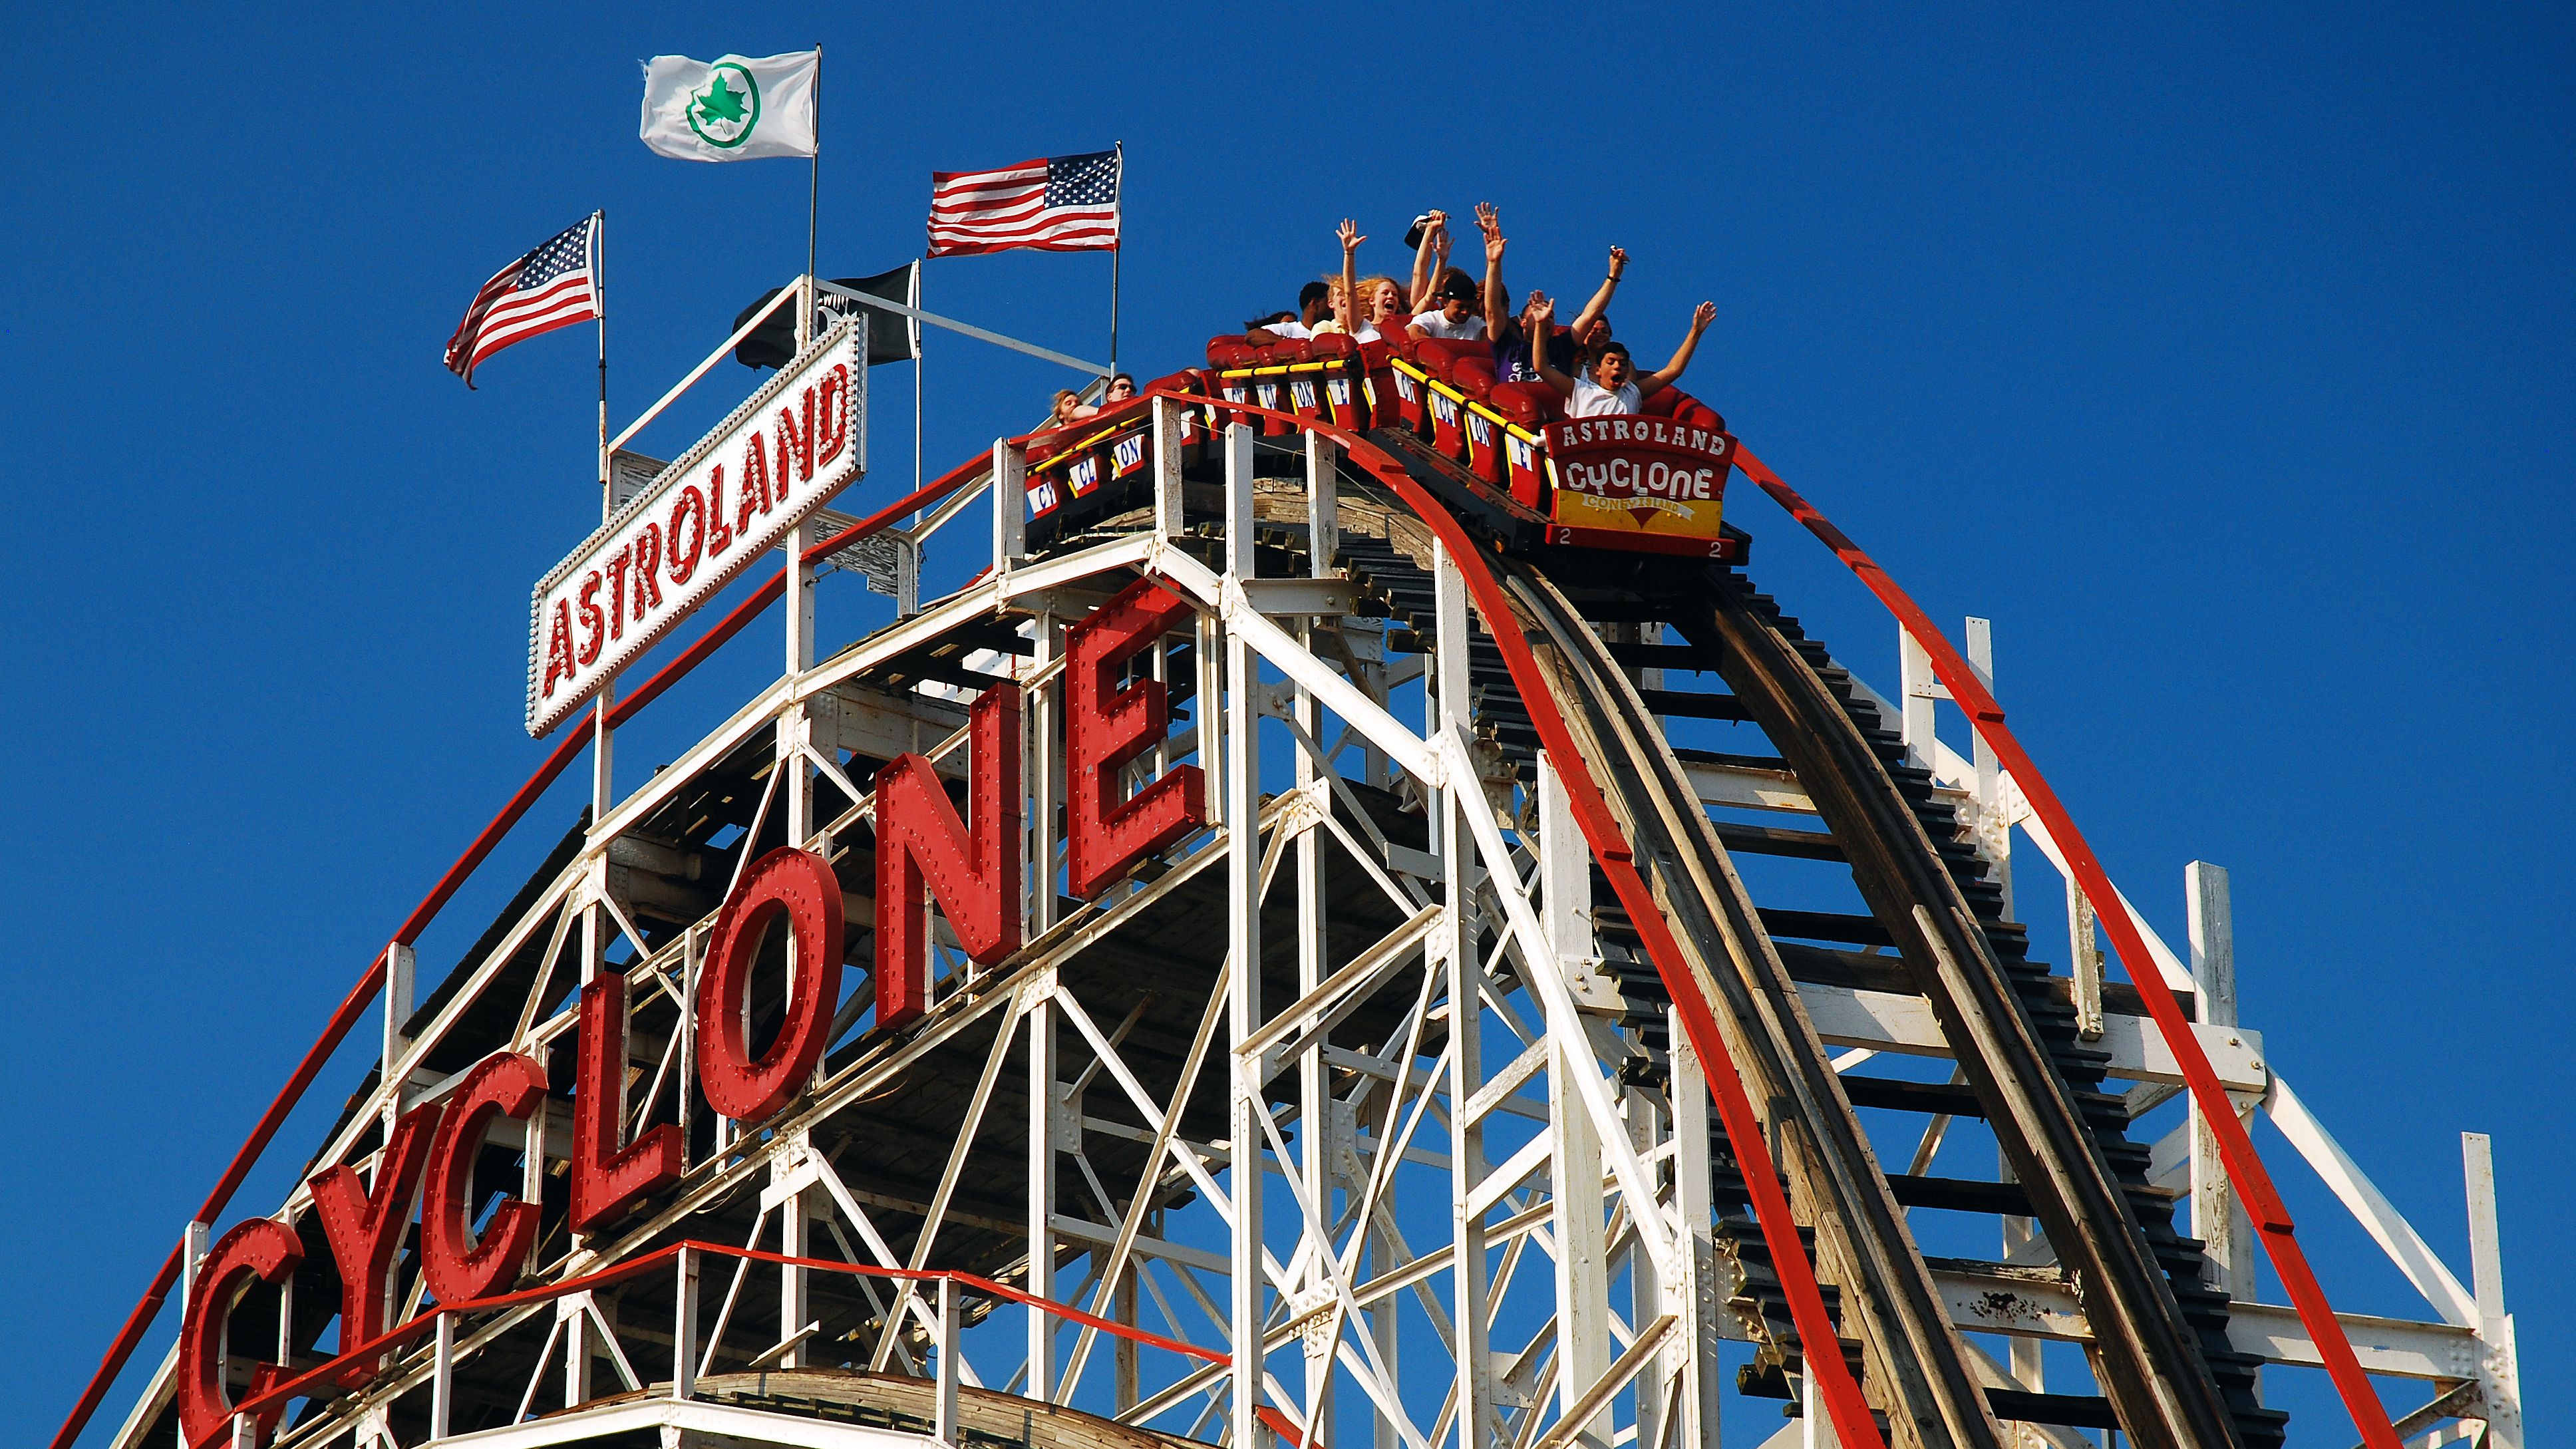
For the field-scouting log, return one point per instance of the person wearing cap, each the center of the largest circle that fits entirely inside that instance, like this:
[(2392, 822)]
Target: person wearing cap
[(1314, 304), (1609, 385), (1459, 308)]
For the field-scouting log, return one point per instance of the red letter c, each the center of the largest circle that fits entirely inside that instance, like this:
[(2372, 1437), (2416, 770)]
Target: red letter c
[(263, 1249), (460, 1268)]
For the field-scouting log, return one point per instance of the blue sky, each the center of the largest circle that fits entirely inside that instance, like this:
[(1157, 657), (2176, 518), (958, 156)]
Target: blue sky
[(2219, 355)]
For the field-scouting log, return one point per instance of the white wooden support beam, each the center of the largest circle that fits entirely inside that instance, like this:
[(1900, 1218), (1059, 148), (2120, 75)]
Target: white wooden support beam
[(1994, 822), (442, 1376), (603, 754), (790, 1171), (1207, 703), (1239, 513), (800, 599), (684, 1324), (1241, 775), (2500, 1374), (1041, 1021), (1919, 690), (1691, 1288), (1454, 949), (1167, 468), (1451, 695), (1010, 504), (1314, 1089), (1565, 894), (2084, 961), (572, 1320), (796, 779), (2217, 1218), (1582, 1266), (401, 982), (944, 1416), (1815, 1426), (2213, 941), (1323, 504), (693, 956)]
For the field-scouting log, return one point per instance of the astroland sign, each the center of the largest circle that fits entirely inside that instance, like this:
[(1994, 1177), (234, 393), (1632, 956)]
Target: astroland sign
[(781, 456)]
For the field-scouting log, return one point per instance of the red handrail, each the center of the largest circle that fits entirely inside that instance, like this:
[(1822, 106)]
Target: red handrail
[(364, 992), (2235, 1147), (353, 1367)]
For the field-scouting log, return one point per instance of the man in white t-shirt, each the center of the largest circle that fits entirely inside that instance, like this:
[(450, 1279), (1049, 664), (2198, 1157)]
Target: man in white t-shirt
[(1609, 383), (1314, 304), (1460, 313)]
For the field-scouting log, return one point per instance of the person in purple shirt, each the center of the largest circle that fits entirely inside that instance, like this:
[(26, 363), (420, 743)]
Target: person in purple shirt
[(1512, 362)]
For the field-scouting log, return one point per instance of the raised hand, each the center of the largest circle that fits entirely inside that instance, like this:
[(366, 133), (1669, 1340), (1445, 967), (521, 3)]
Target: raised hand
[(1701, 316), (1542, 311), (1488, 220), (1618, 262), (1350, 235)]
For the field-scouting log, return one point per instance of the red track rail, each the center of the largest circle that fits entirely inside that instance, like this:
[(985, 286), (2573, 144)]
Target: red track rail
[(1821, 1346), (364, 992), (2245, 1169)]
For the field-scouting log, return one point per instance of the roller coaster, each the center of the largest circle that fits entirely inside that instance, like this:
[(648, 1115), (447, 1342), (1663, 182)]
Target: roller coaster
[(1291, 957)]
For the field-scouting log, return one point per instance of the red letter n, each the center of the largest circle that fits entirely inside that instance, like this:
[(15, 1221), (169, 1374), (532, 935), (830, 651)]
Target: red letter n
[(1105, 727), (922, 845)]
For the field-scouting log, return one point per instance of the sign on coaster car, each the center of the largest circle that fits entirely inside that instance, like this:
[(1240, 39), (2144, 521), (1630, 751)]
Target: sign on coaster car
[(1634, 481), (925, 853), (800, 439)]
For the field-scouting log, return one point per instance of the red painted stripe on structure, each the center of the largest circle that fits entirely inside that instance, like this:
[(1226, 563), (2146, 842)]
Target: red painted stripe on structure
[(2245, 1169), (353, 1367)]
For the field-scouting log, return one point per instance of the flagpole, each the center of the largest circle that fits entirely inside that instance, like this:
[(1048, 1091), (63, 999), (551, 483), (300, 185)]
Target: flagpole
[(1117, 252), (914, 331), (599, 292), (603, 743), (813, 206)]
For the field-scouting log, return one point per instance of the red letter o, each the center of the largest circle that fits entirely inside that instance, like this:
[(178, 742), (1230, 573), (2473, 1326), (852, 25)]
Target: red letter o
[(801, 884)]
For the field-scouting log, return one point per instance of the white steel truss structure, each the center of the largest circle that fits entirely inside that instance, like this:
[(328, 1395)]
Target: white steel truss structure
[(1334, 1122)]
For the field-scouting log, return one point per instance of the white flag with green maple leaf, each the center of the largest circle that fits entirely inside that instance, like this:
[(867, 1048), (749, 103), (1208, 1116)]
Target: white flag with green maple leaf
[(732, 108)]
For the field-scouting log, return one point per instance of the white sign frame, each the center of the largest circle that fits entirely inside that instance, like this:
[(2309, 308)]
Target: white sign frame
[(805, 429)]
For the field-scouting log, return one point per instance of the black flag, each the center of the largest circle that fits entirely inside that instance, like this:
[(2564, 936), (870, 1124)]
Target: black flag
[(892, 337)]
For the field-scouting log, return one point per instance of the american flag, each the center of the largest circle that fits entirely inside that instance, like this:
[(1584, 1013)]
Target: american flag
[(1057, 204), (553, 286)]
